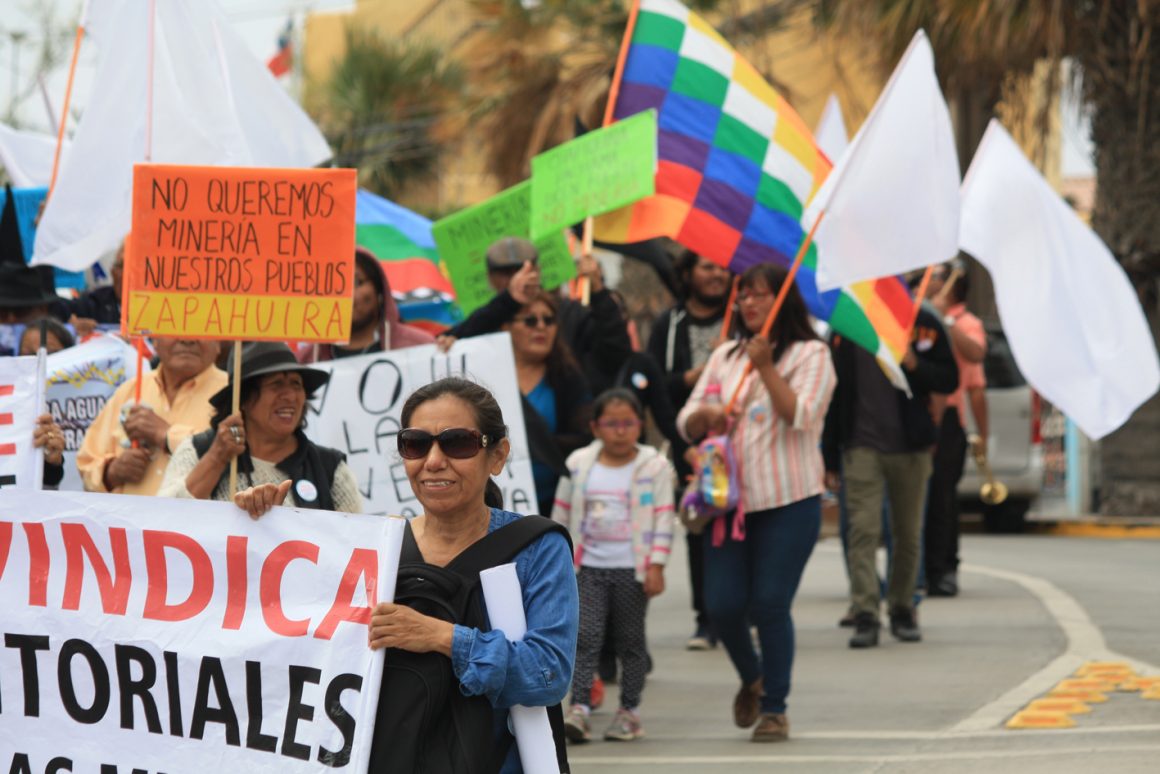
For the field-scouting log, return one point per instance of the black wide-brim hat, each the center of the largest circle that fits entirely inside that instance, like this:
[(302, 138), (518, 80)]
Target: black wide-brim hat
[(22, 287), (266, 357)]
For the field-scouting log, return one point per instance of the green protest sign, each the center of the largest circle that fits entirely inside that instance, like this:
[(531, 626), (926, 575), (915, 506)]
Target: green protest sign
[(601, 171), (463, 239)]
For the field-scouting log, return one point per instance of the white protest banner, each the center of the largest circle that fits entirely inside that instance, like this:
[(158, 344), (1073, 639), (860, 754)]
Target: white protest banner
[(80, 380), (358, 413), (181, 636), (21, 398)]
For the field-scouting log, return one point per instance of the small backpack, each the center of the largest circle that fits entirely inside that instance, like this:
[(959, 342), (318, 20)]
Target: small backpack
[(713, 490), (424, 724)]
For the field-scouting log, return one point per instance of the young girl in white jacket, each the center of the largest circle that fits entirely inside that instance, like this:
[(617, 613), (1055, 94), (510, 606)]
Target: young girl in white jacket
[(618, 504)]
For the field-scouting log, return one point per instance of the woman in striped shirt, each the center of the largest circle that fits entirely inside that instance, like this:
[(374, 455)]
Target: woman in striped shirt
[(757, 553)]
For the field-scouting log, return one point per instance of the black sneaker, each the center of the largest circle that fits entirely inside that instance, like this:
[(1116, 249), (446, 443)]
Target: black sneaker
[(945, 586), (865, 631), (904, 625)]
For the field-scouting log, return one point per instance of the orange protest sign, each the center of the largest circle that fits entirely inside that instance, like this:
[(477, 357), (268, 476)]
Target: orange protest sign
[(240, 253)]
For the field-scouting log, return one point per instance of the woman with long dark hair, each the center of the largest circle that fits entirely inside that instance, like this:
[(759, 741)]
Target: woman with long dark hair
[(556, 398), (755, 554)]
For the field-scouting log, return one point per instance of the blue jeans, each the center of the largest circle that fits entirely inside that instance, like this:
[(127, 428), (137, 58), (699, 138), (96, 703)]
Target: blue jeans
[(755, 582)]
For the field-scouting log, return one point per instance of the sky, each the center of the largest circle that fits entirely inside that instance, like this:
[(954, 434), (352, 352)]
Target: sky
[(258, 23)]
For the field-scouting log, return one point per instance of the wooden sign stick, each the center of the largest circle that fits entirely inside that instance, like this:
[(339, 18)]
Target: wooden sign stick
[(237, 399)]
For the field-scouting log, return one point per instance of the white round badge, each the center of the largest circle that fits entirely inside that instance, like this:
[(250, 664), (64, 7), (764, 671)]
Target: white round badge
[(305, 491), (640, 381)]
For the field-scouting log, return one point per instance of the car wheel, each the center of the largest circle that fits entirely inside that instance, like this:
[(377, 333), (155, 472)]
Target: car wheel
[(1008, 517)]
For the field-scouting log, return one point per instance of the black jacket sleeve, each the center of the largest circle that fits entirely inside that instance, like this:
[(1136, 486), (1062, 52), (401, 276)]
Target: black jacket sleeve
[(832, 430), (658, 346), (936, 370), (487, 318), (603, 344), (655, 394), (573, 410)]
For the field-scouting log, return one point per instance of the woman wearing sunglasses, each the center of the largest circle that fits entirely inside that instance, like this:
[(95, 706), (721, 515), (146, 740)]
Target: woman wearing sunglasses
[(454, 440), (556, 398), (755, 555)]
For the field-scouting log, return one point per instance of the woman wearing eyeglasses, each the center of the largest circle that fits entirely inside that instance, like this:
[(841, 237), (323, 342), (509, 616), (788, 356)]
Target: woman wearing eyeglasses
[(756, 554), (556, 399)]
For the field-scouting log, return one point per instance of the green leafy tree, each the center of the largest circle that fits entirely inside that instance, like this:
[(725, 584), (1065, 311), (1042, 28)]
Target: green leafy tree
[(535, 71)]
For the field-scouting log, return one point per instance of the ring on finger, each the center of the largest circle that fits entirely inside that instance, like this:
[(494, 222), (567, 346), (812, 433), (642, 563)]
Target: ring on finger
[(237, 434)]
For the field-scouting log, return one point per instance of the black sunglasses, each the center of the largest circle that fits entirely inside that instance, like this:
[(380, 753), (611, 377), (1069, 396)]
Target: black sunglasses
[(456, 442), (534, 321)]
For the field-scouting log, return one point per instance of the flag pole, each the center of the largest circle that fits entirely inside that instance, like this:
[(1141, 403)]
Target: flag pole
[(609, 107), (72, 71), (728, 321), (918, 296), (138, 344), (778, 302), (149, 65), (148, 155)]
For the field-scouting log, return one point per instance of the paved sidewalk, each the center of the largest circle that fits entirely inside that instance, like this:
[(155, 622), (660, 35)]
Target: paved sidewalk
[(934, 706)]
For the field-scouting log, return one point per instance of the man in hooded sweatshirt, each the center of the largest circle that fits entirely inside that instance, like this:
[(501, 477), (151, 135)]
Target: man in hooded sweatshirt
[(376, 325)]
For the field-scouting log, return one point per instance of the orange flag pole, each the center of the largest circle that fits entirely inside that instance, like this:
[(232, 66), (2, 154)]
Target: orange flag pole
[(918, 296), (609, 107), (139, 346), (777, 303), (728, 321), (72, 71)]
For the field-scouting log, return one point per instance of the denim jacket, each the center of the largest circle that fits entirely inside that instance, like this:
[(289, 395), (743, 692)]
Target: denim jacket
[(536, 671)]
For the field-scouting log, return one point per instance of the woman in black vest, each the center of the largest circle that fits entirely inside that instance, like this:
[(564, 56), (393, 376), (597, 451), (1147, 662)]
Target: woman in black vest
[(267, 439)]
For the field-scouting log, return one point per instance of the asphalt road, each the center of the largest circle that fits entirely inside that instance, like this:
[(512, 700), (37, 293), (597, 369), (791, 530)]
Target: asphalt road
[(1032, 610)]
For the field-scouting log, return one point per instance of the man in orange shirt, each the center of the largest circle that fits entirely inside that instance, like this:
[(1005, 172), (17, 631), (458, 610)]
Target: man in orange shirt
[(947, 292), (174, 405)]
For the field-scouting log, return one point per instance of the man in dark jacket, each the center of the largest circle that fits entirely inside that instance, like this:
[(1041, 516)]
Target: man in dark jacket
[(681, 341), (880, 440), (595, 333)]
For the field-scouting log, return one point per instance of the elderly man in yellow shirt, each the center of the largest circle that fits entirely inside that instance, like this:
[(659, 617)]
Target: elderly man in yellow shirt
[(174, 405)]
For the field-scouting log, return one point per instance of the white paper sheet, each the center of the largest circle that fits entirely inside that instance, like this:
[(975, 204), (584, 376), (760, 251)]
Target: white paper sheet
[(505, 609)]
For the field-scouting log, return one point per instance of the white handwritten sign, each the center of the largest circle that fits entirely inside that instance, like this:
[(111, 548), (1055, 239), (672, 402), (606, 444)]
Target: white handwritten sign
[(358, 413)]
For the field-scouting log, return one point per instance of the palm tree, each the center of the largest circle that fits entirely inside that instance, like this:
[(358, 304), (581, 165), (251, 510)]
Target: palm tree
[(983, 47), (382, 105), (536, 71)]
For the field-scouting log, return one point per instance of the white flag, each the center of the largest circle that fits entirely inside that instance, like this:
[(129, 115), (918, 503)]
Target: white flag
[(213, 104), (1072, 318), (27, 156), (831, 134), (892, 202)]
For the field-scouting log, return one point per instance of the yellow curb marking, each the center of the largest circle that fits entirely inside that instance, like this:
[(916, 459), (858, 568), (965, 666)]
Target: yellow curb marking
[(1140, 684), (1087, 684), (1108, 531), (1090, 697), (1029, 719), (1064, 705)]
